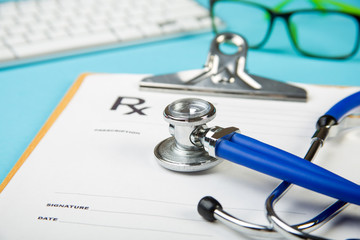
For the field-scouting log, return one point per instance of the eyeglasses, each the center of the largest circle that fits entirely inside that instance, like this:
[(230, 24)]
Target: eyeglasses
[(316, 33)]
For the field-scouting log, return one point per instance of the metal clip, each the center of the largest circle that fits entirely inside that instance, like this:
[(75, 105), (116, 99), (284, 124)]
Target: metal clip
[(225, 74)]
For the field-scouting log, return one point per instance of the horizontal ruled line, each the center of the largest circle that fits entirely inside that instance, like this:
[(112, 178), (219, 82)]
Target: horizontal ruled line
[(160, 201), (137, 229), (145, 214), (130, 198)]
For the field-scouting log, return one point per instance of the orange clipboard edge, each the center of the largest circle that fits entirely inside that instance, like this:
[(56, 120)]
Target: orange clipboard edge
[(56, 113)]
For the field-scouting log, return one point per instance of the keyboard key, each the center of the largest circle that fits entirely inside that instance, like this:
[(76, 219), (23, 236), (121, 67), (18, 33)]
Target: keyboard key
[(99, 27), (46, 6), (8, 9), (36, 37), (40, 26), (17, 29), (60, 23), (3, 34), (67, 44), (171, 27), (34, 28), (150, 30), (189, 24), (57, 33), (26, 19), (6, 22), (15, 40), (77, 30), (6, 54), (127, 34), (28, 7)]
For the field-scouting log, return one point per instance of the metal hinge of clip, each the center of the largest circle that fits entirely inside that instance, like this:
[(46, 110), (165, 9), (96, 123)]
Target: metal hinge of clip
[(225, 74)]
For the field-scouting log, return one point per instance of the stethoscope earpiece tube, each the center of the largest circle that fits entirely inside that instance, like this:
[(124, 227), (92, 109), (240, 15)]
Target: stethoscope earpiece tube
[(297, 171), (343, 107), (276, 153)]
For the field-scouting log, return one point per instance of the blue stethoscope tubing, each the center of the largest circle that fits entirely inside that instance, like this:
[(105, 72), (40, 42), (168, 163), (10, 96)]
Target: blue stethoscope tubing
[(280, 164)]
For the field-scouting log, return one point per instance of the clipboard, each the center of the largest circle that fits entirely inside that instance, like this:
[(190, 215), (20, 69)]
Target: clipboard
[(78, 176)]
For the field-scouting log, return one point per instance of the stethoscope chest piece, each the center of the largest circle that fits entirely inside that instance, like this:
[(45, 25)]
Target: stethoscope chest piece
[(181, 152)]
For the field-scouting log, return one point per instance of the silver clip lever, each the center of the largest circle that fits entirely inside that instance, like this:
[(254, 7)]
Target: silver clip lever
[(225, 74)]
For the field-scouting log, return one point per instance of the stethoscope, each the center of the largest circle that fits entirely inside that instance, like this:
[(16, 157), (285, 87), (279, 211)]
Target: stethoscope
[(196, 147)]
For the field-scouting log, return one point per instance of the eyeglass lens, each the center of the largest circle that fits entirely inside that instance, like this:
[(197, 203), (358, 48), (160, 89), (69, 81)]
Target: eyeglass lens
[(316, 33), (247, 20), (324, 34)]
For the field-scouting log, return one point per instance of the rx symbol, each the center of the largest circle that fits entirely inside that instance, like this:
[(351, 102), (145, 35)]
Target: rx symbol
[(132, 103)]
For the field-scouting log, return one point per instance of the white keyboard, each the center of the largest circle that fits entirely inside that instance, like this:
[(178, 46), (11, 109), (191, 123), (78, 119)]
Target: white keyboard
[(41, 29)]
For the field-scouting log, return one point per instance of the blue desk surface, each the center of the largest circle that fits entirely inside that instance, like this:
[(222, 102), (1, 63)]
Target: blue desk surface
[(29, 93)]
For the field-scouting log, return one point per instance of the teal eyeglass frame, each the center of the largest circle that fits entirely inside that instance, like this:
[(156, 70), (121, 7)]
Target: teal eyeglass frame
[(286, 16)]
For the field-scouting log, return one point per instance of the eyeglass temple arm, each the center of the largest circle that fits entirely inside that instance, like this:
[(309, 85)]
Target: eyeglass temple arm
[(348, 8)]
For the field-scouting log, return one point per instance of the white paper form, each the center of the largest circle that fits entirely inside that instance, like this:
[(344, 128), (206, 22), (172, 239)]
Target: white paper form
[(94, 176)]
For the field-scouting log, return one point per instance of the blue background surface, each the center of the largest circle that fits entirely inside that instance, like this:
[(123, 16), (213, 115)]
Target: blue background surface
[(30, 92)]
